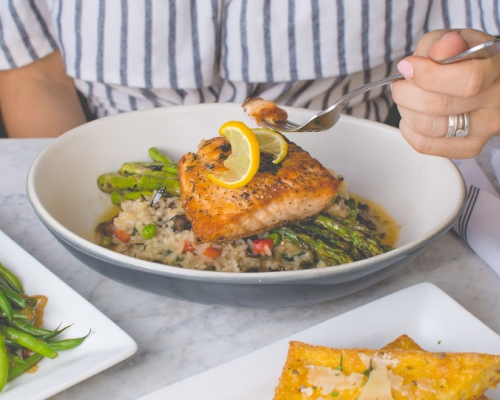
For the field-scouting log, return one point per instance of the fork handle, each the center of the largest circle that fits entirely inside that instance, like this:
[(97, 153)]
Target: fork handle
[(365, 88), (481, 51)]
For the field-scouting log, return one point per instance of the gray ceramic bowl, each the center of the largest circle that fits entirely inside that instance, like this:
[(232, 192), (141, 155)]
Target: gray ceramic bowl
[(425, 194)]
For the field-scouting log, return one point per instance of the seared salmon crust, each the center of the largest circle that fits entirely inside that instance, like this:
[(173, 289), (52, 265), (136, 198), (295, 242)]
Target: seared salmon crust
[(296, 189)]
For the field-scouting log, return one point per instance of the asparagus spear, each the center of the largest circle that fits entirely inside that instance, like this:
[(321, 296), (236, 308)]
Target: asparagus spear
[(130, 168), (357, 238), (356, 225), (112, 182), (118, 197), (158, 156), (331, 239), (326, 253)]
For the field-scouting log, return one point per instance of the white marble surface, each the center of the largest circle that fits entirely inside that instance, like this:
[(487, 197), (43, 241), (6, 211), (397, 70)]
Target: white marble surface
[(178, 339)]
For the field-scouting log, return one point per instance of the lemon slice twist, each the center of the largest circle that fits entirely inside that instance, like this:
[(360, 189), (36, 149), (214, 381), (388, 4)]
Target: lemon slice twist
[(243, 162)]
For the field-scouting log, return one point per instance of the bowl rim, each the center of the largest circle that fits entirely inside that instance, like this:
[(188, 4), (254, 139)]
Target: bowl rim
[(89, 248)]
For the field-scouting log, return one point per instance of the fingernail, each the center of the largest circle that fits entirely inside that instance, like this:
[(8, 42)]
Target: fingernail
[(405, 68), (450, 35)]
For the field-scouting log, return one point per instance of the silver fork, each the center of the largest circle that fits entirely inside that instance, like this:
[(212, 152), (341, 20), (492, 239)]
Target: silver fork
[(326, 119)]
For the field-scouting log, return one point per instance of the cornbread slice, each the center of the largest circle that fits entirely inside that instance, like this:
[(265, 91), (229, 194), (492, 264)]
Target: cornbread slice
[(317, 372)]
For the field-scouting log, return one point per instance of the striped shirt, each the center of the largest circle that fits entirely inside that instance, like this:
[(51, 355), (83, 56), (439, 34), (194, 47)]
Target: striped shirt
[(129, 55)]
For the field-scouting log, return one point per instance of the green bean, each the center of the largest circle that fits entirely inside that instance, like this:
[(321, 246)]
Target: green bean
[(15, 314), (36, 331), (67, 344), (14, 297), (11, 279), (28, 341), (158, 156), (5, 306), (4, 363), (20, 368), (12, 345)]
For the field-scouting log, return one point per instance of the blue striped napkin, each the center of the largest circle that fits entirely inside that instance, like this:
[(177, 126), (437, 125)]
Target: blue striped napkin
[(479, 223)]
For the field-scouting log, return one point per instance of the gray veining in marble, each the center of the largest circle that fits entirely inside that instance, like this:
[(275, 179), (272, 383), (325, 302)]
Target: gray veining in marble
[(178, 339)]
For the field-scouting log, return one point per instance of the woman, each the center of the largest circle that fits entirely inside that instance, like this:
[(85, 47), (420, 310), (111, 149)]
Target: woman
[(130, 55)]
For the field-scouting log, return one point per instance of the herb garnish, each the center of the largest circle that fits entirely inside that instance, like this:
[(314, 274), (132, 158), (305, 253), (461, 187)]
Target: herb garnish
[(367, 371), (339, 368)]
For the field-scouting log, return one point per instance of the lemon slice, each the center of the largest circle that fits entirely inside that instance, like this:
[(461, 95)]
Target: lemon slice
[(243, 162), (271, 142)]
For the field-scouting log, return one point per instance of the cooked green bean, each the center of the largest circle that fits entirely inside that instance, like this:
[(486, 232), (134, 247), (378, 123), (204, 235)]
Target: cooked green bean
[(66, 344), (11, 279), (4, 363), (28, 341), (15, 298), (36, 331), (20, 368), (15, 314), (18, 332), (5, 306)]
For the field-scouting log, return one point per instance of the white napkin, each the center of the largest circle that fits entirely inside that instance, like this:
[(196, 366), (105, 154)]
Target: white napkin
[(479, 223)]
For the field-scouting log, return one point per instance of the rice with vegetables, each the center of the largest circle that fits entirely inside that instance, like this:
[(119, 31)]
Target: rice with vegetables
[(174, 242)]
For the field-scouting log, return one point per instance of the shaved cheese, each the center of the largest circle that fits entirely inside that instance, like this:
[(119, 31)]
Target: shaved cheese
[(378, 386), (329, 379)]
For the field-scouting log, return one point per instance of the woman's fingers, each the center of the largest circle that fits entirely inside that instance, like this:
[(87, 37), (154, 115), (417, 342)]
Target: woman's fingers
[(481, 123), (466, 147), (412, 97), (432, 92)]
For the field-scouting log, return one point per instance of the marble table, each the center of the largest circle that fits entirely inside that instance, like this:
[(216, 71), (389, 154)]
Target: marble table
[(178, 339)]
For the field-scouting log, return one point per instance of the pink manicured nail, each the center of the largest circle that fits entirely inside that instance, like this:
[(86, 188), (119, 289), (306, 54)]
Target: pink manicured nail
[(405, 68)]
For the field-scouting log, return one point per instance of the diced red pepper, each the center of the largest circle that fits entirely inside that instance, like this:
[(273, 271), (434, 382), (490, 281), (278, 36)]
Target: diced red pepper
[(259, 245), (212, 251), (188, 246), (122, 235)]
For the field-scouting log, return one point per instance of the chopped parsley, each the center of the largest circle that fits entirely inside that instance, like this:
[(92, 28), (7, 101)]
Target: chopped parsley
[(335, 393), (339, 368), (367, 371)]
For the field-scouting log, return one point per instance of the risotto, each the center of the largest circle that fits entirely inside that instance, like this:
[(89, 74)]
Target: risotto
[(174, 243)]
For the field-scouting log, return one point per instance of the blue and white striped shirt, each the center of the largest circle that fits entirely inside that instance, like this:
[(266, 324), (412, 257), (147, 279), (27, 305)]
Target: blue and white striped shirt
[(136, 54)]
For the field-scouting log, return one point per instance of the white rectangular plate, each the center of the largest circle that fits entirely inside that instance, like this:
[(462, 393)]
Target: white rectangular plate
[(424, 312), (106, 345)]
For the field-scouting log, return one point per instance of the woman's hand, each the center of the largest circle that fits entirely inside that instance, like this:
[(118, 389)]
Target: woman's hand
[(431, 92)]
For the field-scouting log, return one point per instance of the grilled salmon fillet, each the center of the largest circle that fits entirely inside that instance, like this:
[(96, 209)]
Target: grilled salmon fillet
[(297, 188)]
